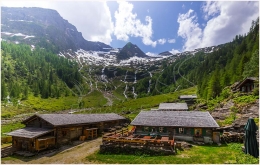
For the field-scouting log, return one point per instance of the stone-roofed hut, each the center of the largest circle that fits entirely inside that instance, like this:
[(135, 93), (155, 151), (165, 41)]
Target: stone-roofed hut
[(173, 107), (44, 131), (189, 99), (182, 125)]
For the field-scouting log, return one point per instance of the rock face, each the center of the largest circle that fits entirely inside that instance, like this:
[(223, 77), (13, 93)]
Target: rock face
[(46, 28), (229, 104), (221, 113), (250, 111), (235, 131)]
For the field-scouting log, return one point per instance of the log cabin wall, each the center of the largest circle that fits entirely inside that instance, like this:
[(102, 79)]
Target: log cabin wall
[(24, 144), (70, 133), (62, 135), (38, 122), (75, 133), (44, 143), (169, 131)]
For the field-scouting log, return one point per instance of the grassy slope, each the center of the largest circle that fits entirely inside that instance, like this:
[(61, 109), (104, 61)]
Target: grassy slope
[(135, 105), (94, 100), (33, 104)]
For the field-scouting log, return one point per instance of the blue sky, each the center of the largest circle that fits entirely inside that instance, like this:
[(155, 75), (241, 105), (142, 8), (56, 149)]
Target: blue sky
[(154, 26), (164, 17)]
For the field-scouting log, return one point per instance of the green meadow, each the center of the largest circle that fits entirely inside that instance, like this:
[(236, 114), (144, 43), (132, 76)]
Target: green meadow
[(204, 154)]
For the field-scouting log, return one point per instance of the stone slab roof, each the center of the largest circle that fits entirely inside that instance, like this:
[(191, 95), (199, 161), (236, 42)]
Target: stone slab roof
[(70, 119), (188, 97), (173, 106), (175, 119), (30, 132)]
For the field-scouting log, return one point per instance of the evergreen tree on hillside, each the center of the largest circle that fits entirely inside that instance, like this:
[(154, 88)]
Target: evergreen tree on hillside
[(212, 72), (37, 71), (252, 66)]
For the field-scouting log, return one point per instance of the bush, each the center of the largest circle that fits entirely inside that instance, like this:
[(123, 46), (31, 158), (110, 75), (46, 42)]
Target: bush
[(225, 93), (246, 99), (256, 92)]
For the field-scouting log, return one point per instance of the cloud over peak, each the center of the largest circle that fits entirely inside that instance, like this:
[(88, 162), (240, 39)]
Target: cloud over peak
[(127, 24)]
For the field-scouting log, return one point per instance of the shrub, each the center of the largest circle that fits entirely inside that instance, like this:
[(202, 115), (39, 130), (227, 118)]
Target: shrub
[(246, 99), (225, 93), (256, 92)]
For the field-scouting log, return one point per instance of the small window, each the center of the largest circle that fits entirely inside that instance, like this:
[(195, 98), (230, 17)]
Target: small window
[(198, 131), (160, 129), (146, 129), (181, 130)]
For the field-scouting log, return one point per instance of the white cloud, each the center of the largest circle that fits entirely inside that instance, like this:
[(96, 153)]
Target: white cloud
[(161, 41), (127, 24), (151, 54), (174, 51), (234, 18), (210, 9), (225, 21), (92, 18), (171, 41), (189, 30)]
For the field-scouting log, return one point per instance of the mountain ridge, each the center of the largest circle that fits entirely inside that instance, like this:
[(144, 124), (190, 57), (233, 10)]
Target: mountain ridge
[(45, 27)]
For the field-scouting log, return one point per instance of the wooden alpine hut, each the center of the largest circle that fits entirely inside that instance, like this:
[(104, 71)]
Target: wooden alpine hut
[(180, 125), (44, 131)]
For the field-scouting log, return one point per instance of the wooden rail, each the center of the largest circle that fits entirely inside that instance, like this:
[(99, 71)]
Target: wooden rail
[(7, 151), (164, 141)]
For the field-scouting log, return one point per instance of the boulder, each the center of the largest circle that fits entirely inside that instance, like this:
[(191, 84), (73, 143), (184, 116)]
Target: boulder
[(229, 104)]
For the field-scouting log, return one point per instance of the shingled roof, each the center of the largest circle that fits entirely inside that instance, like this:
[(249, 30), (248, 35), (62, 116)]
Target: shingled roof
[(70, 119), (188, 97), (175, 119), (246, 79), (30, 132), (173, 106)]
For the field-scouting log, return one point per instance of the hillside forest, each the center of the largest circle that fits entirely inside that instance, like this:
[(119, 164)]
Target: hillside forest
[(210, 72), (41, 73)]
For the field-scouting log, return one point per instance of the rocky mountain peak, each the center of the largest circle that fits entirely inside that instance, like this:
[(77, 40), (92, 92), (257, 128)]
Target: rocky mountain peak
[(45, 28), (130, 50)]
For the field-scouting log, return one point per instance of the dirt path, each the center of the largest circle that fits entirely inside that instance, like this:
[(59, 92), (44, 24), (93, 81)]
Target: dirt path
[(74, 155)]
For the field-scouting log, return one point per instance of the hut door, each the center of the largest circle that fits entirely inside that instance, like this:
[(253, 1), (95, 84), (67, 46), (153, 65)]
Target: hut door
[(18, 145), (25, 146), (216, 136), (79, 131), (73, 133)]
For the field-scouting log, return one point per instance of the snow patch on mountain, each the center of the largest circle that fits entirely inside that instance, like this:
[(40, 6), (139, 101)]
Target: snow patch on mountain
[(17, 34)]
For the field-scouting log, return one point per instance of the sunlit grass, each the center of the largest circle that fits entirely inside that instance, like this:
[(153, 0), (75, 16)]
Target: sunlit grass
[(208, 154)]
